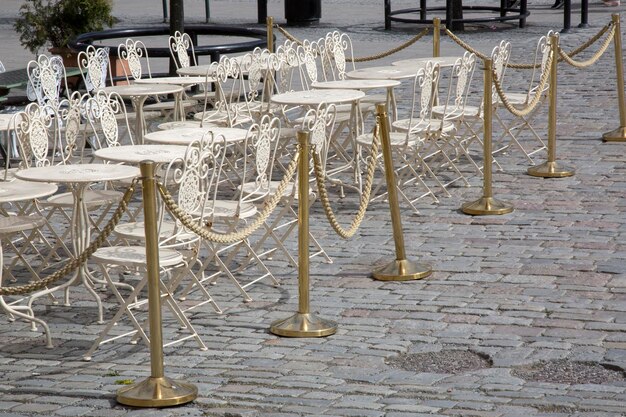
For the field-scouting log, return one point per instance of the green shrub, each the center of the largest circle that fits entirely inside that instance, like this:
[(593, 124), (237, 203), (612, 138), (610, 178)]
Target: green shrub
[(57, 22)]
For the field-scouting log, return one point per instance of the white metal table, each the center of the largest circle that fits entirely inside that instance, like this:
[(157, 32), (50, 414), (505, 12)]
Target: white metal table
[(134, 154), (79, 176), (186, 135), (358, 84)]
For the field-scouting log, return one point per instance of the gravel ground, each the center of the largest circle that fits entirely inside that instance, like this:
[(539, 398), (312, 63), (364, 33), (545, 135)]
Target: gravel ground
[(443, 362)]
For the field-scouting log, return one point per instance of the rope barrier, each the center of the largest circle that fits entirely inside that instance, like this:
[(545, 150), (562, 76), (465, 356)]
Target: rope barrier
[(365, 196), (583, 64), (82, 258), (374, 57), (536, 98), (225, 238), (575, 52), (391, 51)]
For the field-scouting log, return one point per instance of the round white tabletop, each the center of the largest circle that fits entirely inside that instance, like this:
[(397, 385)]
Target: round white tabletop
[(195, 71), (443, 61), (78, 173), (18, 190), (186, 135), (134, 154), (130, 90), (175, 80), (383, 73), (315, 97), (355, 84)]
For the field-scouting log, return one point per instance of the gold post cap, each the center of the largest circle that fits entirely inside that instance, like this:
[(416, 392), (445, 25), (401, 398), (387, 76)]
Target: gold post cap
[(303, 325), (157, 392), (402, 270), (617, 135), (550, 170), (485, 206)]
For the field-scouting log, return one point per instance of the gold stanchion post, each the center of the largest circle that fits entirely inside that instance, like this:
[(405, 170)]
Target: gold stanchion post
[(551, 168), (270, 33), (436, 36), (487, 204), (619, 134), (303, 323), (157, 390), (400, 269)]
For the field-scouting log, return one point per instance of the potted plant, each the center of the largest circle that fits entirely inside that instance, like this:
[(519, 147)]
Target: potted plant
[(55, 23)]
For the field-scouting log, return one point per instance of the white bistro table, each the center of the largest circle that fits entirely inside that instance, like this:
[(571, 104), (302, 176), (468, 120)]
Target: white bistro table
[(387, 72), (186, 135), (139, 93), (368, 84), (79, 176), (134, 154)]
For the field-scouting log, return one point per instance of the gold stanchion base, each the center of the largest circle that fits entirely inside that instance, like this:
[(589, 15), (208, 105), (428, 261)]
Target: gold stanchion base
[(486, 205), (550, 170), (303, 325), (617, 135), (157, 392), (402, 270)]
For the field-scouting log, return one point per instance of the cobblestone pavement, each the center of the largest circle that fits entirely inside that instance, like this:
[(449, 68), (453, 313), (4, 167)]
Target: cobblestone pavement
[(545, 283)]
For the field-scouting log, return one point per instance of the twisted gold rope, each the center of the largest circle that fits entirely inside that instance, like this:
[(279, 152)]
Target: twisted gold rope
[(365, 196), (538, 92), (370, 57), (82, 258), (575, 52), (225, 238), (594, 58)]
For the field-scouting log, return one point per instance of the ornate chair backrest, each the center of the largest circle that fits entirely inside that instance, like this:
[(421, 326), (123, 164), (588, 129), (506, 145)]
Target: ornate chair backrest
[(542, 54), (132, 53), (94, 66), (424, 88), (230, 90), (72, 113), (45, 80), (181, 50), (287, 56), (196, 176), (103, 110), (500, 57), (320, 122), (460, 81), (260, 146), (36, 132), (307, 55), (337, 52)]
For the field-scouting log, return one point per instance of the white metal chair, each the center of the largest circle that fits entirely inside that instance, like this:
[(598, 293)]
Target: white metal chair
[(13, 306), (515, 127), (195, 175), (280, 226), (228, 215)]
